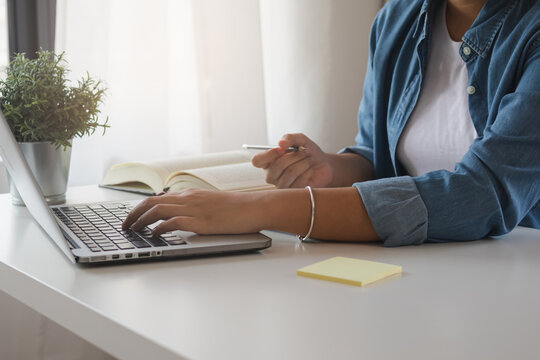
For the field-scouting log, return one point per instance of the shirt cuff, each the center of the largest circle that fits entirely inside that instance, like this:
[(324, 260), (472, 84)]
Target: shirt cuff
[(360, 150), (396, 210)]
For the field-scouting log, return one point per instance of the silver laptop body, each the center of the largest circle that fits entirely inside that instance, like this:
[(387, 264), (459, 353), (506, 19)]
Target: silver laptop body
[(86, 233)]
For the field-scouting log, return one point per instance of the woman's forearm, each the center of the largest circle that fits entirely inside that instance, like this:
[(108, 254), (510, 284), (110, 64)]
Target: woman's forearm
[(339, 213)]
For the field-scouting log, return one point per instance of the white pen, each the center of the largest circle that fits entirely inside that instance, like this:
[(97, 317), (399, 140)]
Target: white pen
[(268, 147)]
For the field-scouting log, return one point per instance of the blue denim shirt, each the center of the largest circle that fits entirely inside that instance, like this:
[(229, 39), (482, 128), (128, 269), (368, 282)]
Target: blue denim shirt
[(496, 186)]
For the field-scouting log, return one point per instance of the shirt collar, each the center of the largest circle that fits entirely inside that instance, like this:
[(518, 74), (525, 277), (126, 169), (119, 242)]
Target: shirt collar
[(482, 32)]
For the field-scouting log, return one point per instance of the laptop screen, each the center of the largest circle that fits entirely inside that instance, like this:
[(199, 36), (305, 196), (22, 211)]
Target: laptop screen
[(28, 187)]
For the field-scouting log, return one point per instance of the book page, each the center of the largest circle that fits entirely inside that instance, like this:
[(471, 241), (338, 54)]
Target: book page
[(171, 167), (231, 177), (153, 177), (157, 173)]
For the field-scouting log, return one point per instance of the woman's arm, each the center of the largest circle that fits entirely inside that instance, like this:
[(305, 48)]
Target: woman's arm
[(339, 213)]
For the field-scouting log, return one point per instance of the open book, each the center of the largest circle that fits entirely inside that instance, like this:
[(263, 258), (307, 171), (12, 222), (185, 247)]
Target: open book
[(227, 171)]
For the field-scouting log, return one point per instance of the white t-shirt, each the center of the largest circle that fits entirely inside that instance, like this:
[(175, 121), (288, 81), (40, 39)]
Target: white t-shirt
[(440, 129)]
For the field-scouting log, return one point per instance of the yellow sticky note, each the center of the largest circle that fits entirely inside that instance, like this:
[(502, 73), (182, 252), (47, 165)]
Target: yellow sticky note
[(349, 271)]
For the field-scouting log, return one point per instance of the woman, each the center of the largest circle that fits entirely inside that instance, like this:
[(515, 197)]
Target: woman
[(449, 134)]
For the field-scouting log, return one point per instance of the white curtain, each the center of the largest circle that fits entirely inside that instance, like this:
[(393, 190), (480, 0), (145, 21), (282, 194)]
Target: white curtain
[(145, 53)]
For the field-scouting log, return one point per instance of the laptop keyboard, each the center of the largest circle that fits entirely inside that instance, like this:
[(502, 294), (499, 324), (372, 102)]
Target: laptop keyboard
[(99, 227)]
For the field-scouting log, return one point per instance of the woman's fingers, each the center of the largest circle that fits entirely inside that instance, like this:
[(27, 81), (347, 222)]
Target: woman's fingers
[(158, 212), (278, 168), (140, 209), (294, 140), (147, 204), (293, 172), (303, 180), (265, 158), (284, 168), (186, 223)]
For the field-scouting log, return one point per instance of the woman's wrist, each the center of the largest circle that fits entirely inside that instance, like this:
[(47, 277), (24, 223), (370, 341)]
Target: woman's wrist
[(285, 210), (349, 168)]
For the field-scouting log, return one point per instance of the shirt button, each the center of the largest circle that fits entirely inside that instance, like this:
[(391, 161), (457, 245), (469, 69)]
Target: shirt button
[(471, 90), (467, 50)]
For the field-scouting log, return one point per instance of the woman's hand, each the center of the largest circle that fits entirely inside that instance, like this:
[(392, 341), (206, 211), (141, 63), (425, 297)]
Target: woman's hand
[(307, 166), (200, 211)]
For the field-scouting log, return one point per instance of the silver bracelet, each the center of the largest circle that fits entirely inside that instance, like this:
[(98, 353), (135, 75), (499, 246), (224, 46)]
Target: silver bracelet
[(312, 198)]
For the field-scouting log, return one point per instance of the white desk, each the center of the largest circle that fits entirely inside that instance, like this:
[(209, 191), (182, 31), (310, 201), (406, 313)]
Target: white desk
[(469, 300)]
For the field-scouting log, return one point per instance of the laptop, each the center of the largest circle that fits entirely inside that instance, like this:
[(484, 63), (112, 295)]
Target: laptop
[(92, 233)]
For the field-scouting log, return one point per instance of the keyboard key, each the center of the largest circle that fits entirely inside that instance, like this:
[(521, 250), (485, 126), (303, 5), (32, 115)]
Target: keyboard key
[(111, 206), (119, 242), (176, 242), (170, 236), (155, 241), (125, 246), (140, 243)]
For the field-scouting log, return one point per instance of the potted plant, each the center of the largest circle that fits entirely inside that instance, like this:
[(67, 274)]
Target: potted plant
[(45, 113)]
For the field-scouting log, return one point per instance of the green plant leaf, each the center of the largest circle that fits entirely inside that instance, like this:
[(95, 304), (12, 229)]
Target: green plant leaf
[(40, 104)]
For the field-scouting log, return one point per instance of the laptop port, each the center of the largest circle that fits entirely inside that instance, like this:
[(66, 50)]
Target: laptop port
[(144, 254), (115, 257), (127, 256)]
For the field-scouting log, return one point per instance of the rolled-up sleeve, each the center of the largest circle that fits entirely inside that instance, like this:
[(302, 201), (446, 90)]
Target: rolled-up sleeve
[(396, 210)]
